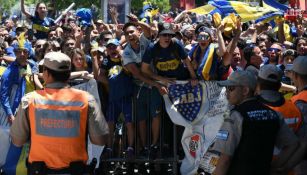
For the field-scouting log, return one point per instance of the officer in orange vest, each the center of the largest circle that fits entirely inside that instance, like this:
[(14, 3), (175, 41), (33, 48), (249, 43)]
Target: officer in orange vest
[(268, 84), (299, 77), (56, 120)]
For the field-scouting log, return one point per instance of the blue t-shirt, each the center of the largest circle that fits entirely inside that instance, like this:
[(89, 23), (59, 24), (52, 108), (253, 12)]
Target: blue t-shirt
[(120, 83), (167, 61), (41, 27)]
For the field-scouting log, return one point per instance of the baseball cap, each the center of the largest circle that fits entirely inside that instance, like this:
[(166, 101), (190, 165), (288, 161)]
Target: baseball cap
[(57, 61), (240, 78), (85, 16), (270, 73), (299, 65), (165, 28), (114, 42)]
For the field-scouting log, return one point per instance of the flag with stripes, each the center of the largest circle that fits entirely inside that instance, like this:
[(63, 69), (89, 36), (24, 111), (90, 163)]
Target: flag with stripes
[(246, 11)]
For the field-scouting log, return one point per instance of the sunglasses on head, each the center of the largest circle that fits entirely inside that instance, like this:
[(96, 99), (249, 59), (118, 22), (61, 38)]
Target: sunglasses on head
[(273, 49), (203, 37), (290, 53)]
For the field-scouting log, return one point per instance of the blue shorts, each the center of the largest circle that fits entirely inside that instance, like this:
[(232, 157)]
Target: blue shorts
[(148, 102), (123, 105)]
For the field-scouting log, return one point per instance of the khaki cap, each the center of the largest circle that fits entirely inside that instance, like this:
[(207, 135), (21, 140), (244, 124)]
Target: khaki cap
[(240, 78), (57, 61)]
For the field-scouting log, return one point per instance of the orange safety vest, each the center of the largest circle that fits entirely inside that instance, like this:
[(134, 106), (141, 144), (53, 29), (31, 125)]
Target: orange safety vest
[(291, 114), (302, 96), (58, 122)]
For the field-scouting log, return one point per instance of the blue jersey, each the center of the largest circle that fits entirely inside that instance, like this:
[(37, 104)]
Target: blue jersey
[(41, 27), (167, 61), (120, 83)]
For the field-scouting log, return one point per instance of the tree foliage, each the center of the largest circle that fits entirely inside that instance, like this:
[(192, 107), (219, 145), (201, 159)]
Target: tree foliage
[(163, 5), (59, 4)]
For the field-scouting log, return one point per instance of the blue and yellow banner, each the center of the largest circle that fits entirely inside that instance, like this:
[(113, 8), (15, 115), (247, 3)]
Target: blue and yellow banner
[(246, 11)]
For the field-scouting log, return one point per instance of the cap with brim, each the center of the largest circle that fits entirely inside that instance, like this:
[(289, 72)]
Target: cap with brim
[(228, 83), (270, 73), (167, 32), (113, 41), (57, 61), (240, 78), (165, 28), (299, 65)]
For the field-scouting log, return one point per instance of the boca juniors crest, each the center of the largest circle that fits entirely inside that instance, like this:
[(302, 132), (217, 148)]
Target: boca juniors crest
[(186, 99), (201, 110)]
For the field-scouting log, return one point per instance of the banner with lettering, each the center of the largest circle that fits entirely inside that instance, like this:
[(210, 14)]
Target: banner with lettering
[(201, 110)]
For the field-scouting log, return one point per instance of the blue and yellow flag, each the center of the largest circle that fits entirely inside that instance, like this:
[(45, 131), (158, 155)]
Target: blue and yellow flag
[(242, 9), (207, 66)]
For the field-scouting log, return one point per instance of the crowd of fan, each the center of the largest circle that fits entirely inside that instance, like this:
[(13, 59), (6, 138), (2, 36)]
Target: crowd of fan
[(125, 59)]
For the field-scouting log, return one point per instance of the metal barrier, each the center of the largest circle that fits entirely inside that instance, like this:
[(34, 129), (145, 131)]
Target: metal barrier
[(165, 163)]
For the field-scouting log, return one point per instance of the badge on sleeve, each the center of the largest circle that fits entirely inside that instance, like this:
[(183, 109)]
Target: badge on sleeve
[(222, 135)]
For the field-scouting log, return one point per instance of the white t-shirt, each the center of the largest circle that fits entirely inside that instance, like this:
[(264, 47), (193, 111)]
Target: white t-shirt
[(129, 55)]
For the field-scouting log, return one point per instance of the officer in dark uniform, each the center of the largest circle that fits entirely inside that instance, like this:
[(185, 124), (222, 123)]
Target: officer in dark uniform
[(244, 144)]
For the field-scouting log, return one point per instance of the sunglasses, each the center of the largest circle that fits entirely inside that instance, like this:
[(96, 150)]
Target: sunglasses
[(230, 88), (203, 37), (273, 49)]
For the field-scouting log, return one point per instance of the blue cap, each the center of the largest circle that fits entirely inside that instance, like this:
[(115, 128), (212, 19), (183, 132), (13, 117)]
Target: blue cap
[(147, 7), (114, 42), (85, 16)]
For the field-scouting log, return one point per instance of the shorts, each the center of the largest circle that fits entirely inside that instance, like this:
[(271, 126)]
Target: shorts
[(123, 105), (148, 102)]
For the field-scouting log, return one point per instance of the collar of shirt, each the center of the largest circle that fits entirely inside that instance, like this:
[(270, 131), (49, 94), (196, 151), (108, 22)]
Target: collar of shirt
[(247, 99), (270, 96), (57, 85)]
